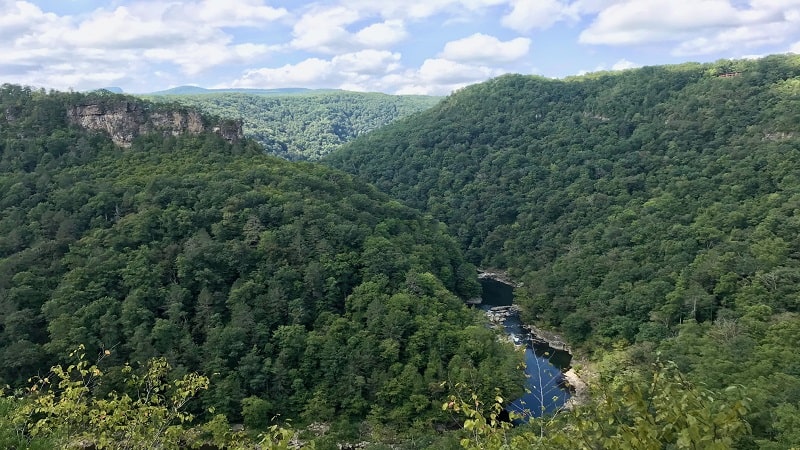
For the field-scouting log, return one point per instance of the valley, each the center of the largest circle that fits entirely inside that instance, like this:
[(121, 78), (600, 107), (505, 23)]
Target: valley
[(651, 217)]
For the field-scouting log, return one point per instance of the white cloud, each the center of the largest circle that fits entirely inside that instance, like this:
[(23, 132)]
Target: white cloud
[(195, 58), (438, 76), (795, 48), (324, 30), (641, 21), (105, 45), (124, 29), (443, 71), (419, 9), (312, 72), (527, 15), (20, 18), (382, 35), (486, 49), (370, 70), (355, 70), (370, 62), (739, 38), (624, 64), (233, 13), (697, 26)]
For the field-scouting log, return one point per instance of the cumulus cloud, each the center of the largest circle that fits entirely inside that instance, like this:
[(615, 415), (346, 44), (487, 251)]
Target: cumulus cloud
[(21, 18), (324, 30), (232, 13), (443, 71), (527, 15), (195, 58), (111, 44), (382, 35), (370, 70), (695, 26), (419, 9), (349, 69), (483, 48), (624, 64), (438, 76), (641, 21), (745, 37)]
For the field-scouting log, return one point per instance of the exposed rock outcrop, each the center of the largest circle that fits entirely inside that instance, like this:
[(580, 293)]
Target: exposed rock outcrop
[(498, 275), (778, 136), (124, 120)]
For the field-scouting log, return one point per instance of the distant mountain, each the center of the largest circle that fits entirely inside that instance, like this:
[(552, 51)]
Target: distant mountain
[(197, 90), (113, 89), (301, 124)]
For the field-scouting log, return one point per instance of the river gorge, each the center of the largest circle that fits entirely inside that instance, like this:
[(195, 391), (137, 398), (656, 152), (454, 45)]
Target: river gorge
[(544, 365)]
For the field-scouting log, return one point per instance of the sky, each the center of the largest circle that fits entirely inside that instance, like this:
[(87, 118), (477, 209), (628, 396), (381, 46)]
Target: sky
[(395, 46)]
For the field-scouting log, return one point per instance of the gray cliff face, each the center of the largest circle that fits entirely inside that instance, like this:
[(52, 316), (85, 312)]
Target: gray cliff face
[(125, 120)]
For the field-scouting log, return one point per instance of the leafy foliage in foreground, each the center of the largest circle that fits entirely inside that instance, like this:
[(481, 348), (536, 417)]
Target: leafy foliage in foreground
[(664, 411), (66, 409), (296, 289), (632, 207), (306, 126), (651, 410)]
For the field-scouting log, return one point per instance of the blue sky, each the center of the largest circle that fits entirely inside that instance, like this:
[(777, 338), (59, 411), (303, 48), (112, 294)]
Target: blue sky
[(393, 46)]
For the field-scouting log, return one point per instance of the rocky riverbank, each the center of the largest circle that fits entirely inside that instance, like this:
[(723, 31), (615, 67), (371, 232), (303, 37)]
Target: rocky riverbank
[(579, 390), (497, 275), (539, 336)]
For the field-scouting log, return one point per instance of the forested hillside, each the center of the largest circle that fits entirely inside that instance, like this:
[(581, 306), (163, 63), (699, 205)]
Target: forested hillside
[(652, 210), (305, 126), (300, 292)]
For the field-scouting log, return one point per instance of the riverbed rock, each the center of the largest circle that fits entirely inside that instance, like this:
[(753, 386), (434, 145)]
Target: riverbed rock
[(578, 388), (499, 314), (539, 336)]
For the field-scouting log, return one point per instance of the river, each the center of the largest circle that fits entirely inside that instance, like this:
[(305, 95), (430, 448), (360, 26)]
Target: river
[(544, 365)]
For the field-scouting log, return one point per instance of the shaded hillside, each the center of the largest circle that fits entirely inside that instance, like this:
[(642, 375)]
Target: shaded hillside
[(305, 125), (294, 286), (655, 207)]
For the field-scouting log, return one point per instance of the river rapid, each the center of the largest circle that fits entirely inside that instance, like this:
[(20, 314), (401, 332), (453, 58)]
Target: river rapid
[(545, 391)]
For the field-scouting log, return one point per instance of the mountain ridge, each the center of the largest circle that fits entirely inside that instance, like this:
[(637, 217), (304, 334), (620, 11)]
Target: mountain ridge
[(643, 211)]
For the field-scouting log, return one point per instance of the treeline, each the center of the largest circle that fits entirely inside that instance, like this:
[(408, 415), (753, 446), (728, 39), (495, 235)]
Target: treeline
[(300, 292), (305, 126), (653, 209)]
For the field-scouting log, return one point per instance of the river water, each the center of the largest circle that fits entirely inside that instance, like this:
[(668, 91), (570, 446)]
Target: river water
[(544, 392)]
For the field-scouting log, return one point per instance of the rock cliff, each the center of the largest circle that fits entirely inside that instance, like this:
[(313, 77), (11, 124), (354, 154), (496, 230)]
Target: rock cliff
[(124, 120)]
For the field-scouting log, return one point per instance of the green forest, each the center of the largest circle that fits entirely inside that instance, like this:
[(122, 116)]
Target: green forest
[(304, 125), (189, 291), (297, 290), (646, 212)]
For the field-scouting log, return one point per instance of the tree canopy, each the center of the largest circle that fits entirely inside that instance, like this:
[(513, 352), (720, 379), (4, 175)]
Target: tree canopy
[(654, 208), (305, 126), (295, 288)]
